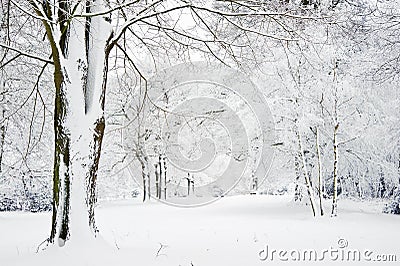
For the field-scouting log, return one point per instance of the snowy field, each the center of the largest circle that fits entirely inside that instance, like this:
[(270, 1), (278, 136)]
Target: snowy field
[(237, 230)]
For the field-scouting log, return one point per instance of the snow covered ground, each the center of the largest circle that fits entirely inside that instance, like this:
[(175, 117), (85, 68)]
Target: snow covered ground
[(238, 230)]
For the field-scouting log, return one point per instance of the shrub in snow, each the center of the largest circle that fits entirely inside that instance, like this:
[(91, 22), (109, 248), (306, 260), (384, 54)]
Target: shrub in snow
[(34, 196), (394, 206)]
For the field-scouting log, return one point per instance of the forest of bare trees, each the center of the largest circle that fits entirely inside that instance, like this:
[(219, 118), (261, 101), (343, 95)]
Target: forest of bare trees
[(75, 74)]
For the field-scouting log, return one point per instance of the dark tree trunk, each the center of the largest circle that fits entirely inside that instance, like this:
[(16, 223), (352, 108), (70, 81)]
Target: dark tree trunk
[(61, 172), (97, 141), (144, 186), (307, 178), (188, 184), (165, 177), (3, 129), (297, 190), (320, 179), (62, 141), (62, 161), (160, 175), (157, 175), (148, 185), (335, 172), (143, 159), (93, 169)]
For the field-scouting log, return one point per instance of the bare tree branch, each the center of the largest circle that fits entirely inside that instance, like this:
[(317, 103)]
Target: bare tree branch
[(45, 60)]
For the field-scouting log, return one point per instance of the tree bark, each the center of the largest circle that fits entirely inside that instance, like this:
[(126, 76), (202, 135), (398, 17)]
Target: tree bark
[(188, 184), (62, 138), (91, 178), (335, 143), (98, 134), (80, 81), (319, 171), (165, 177), (61, 172), (160, 177), (305, 172), (335, 172), (144, 161), (3, 129), (297, 190), (157, 175), (144, 185)]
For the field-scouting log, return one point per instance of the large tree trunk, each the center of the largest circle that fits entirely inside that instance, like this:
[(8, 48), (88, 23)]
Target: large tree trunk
[(98, 36), (62, 138), (80, 79), (91, 194), (61, 171), (95, 111)]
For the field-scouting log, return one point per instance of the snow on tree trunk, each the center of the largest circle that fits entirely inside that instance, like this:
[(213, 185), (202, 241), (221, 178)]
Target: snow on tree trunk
[(80, 77), (144, 161), (3, 129), (157, 181), (298, 195), (305, 172), (61, 170), (335, 172), (160, 177), (98, 34), (165, 177), (319, 171), (335, 142)]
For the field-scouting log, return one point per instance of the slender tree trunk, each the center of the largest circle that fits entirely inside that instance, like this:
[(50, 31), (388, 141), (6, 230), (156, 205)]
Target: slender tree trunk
[(335, 143), (144, 161), (148, 186), (160, 169), (188, 184), (382, 184), (320, 179), (165, 177), (157, 175), (254, 184), (297, 190), (305, 172), (3, 129), (335, 172), (144, 185)]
